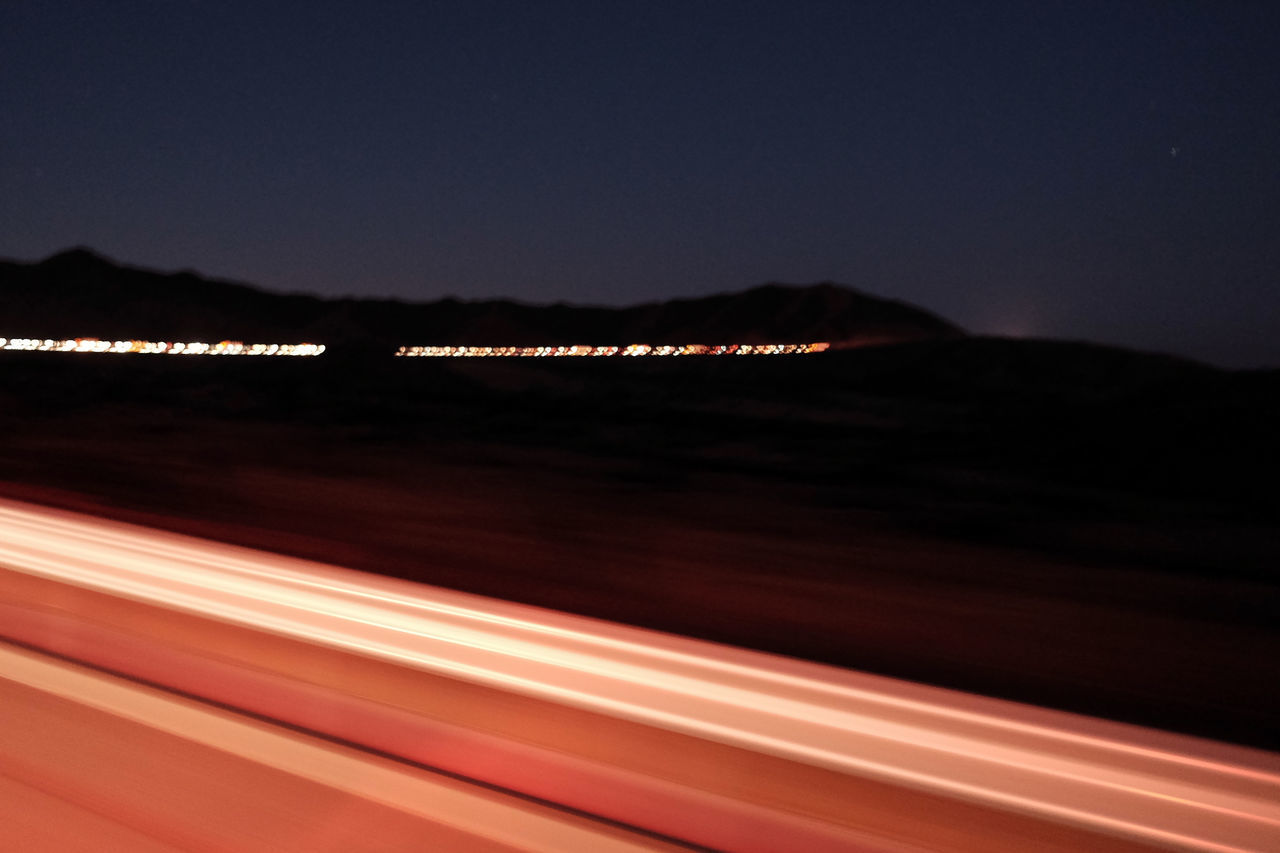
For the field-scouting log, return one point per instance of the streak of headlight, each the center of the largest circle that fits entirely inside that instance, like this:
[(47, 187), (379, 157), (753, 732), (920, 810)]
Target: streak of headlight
[(828, 724)]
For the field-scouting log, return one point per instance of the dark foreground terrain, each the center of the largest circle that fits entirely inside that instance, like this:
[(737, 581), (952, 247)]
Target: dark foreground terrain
[(1055, 523)]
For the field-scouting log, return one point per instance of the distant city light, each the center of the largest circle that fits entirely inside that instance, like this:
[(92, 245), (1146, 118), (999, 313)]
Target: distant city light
[(159, 347), (633, 350), (96, 345)]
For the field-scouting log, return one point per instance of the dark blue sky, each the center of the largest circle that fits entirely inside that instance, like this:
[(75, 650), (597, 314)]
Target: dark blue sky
[(1107, 171)]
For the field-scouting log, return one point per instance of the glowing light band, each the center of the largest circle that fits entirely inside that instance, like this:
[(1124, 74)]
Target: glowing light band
[(632, 350), (95, 345)]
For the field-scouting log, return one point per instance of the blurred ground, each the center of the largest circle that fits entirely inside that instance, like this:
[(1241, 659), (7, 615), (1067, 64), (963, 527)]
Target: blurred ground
[(1069, 527)]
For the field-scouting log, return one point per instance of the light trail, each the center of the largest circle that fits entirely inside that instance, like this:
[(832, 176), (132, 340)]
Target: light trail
[(94, 345), (719, 746), (629, 351)]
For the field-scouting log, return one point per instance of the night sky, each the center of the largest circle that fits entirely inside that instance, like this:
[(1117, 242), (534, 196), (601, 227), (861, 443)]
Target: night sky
[(1104, 171)]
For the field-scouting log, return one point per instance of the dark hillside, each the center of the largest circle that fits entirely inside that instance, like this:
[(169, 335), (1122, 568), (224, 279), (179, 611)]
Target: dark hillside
[(80, 294)]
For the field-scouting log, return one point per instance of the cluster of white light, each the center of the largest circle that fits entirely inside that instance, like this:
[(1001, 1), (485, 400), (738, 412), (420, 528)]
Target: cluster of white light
[(165, 347), (632, 350)]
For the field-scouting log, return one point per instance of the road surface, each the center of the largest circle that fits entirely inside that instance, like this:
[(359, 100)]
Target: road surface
[(687, 740)]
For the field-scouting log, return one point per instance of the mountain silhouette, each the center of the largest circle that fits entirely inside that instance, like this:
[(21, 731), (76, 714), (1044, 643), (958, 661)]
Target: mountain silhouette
[(79, 293)]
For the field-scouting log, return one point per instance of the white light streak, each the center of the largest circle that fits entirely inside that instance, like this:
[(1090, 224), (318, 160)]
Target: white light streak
[(94, 345)]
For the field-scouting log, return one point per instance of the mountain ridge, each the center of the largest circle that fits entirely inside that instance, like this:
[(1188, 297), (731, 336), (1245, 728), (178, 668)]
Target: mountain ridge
[(79, 292)]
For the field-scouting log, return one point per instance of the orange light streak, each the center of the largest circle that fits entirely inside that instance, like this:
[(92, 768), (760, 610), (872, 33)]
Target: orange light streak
[(631, 350)]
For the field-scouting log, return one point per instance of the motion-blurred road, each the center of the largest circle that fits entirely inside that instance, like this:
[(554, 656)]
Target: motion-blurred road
[(92, 762), (688, 740)]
